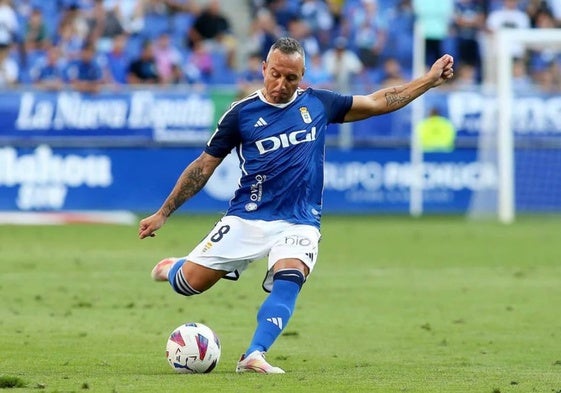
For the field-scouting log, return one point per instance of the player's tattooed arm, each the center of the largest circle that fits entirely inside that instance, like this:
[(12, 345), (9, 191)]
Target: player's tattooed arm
[(395, 97), (386, 100), (191, 181)]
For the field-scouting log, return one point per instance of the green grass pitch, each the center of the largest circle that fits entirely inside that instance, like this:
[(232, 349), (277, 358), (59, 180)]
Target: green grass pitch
[(394, 305)]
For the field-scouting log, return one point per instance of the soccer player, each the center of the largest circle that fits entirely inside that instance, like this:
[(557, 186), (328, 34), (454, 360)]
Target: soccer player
[(278, 133)]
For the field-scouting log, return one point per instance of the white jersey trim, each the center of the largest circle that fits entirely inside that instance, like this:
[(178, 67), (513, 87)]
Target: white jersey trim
[(262, 98)]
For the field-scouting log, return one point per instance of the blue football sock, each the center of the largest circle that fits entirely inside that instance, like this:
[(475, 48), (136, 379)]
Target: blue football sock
[(177, 279), (276, 310), (174, 268)]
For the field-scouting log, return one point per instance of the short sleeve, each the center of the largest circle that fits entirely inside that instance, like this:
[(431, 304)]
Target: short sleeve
[(226, 136), (336, 105)]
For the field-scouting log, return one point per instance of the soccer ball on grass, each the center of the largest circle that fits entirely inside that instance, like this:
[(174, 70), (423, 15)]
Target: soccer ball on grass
[(193, 348)]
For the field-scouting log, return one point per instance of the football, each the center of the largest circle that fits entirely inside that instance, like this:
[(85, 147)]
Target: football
[(193, 348)]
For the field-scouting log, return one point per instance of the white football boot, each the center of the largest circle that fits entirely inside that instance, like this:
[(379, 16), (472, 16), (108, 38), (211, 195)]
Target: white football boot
[(255, 362), (162, 268)]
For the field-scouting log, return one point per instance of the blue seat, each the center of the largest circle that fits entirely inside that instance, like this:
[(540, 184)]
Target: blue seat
[(221, 71), (181, 23), (155, 24)]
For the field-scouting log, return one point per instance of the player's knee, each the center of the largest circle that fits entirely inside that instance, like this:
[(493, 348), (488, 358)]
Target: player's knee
[(179, 282)]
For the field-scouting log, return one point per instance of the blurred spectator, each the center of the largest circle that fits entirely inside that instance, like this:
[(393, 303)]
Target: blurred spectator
[(317, 75), (36, 36), (8, 23), (143, 70), (541, 58), (85, 74), (508, 16), (521, 81), (342, 64), (104, 24), (188, 6), (68, 41), (534, 7), (369, 32), (72, 32), (172, 7), (392, 74), (317, 16), (375, 30), (130, 14), (48, 72), (543, 19), (436, 133), (212, 28), (9, 69), (299, 29), (465, 77), (200, 65), (177, 75), (546, 78), (75, 19), (399, 44), (469, 21), (263, 34), (435, 18), (544, 62), (167, 57), (116, 61), (336, 11), (251, 77), (283, 11)]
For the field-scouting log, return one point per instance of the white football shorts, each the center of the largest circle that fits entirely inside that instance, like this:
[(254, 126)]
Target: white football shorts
[(234, 243)]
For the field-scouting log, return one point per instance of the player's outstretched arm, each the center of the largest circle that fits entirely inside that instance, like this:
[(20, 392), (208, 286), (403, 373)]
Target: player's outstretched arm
[(191, 181), (393, 98)]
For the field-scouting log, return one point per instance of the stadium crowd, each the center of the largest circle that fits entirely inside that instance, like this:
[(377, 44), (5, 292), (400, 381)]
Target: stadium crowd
[(90, 45)]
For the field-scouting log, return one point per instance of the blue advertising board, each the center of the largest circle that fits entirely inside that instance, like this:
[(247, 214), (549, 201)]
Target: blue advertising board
[(368, 180), (118, 118), (179, 116), (44, 178), (137, 148)]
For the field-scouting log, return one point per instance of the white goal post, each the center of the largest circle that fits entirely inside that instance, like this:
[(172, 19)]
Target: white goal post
[(529, 38), (503, 143)]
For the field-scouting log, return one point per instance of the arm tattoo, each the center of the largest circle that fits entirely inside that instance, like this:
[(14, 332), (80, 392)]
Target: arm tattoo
[(394, 99), (191, 181)]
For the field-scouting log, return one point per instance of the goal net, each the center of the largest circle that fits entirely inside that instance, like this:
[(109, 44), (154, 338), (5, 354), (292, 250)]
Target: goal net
[(523, 137)]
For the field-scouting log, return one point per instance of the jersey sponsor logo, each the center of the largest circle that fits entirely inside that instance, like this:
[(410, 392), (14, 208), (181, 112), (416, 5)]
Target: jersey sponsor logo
[(305, 115), (295, 240), (260, 123), (256, 191), (273, 143)]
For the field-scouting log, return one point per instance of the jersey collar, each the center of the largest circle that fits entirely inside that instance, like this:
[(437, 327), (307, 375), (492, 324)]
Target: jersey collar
[(262, 98)]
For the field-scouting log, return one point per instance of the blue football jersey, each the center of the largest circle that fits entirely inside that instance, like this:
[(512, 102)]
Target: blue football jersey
[(281, 150)]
